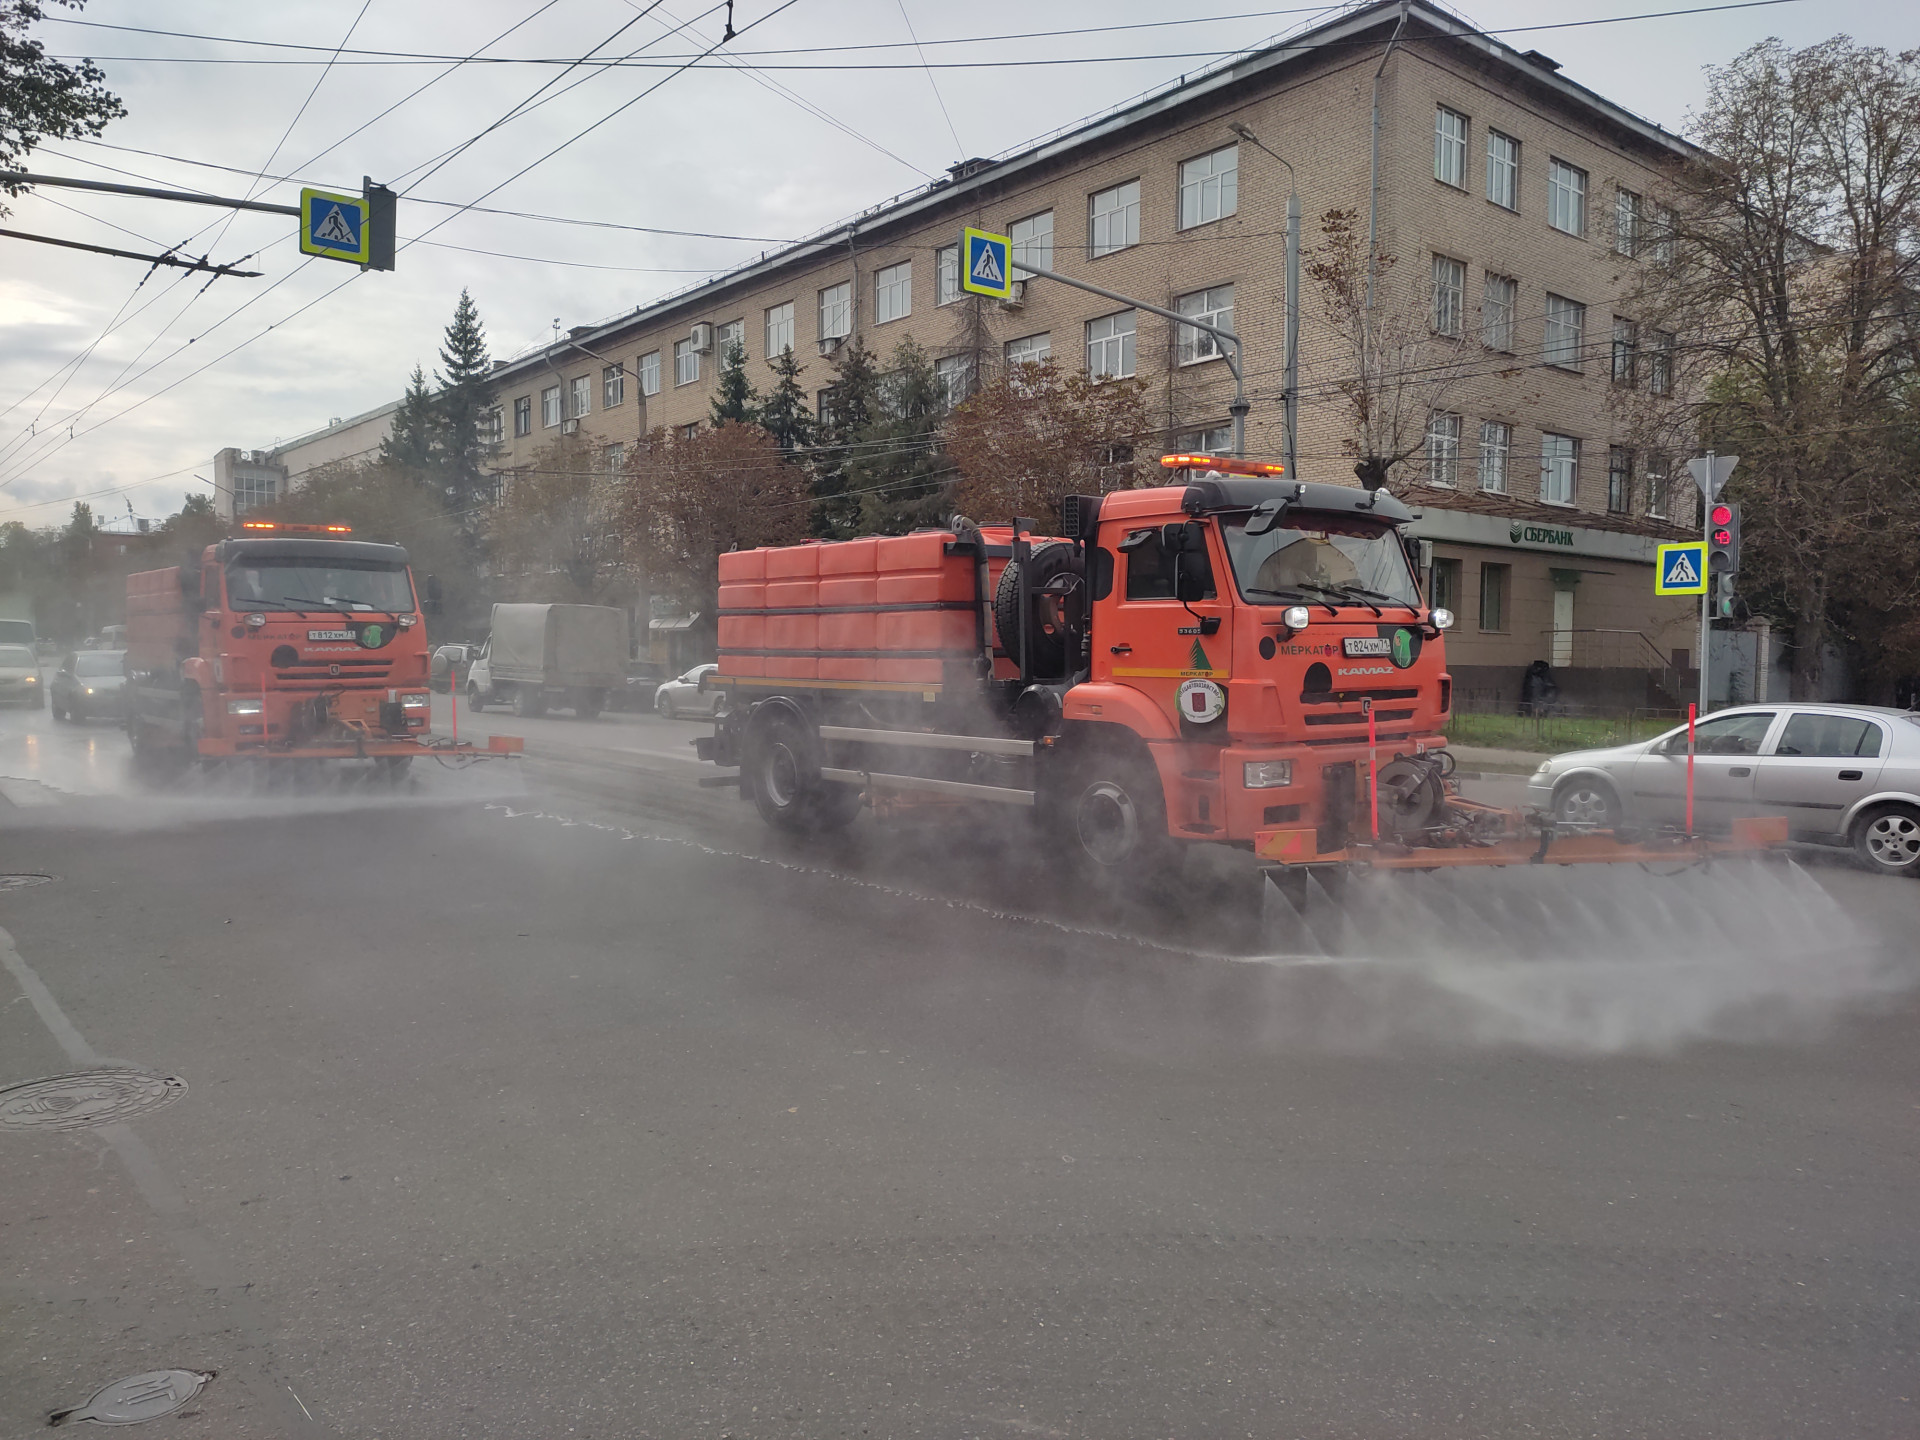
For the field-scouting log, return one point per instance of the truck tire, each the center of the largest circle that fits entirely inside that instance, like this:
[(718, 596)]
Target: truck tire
[(780, 773), (475, 703), (1114, 815), (528, 702), (1047, 636), (587, 704)]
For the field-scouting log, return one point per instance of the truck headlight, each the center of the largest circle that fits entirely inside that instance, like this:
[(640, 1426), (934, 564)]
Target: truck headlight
[(250, 705), (256, 620), (1442, 618), (1296, 617), (1266, 774), (416, 702)]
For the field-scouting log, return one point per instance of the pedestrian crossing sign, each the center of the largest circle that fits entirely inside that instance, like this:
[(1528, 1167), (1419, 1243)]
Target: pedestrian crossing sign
[(335, 226), (987, 263), (1681, 569)]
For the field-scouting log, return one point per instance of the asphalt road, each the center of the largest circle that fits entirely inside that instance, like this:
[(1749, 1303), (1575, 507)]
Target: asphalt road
[(556, 1098)]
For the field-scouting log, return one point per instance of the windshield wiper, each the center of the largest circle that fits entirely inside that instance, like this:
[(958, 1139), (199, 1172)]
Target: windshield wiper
[(1363, 591), (1299, 594)]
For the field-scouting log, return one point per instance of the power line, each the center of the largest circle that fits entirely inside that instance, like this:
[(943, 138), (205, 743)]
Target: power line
[(960, 151)]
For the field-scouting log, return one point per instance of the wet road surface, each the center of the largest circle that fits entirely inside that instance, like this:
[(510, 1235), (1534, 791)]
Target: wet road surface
[(558, 1098)]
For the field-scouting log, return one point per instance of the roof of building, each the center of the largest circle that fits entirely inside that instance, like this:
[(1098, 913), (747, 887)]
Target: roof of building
[(1509, 507), (1356, 26), (333, 427)]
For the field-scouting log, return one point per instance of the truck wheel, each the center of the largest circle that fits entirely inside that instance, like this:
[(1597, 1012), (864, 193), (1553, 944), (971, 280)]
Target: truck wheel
[(474, 703), (528, 702), (1047, 633), (781, 772), (587, 704), (1116, 816), (1888, 839)]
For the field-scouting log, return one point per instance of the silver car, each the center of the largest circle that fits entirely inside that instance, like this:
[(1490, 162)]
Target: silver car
[(684, 697), (1841, 774), (20, 677)]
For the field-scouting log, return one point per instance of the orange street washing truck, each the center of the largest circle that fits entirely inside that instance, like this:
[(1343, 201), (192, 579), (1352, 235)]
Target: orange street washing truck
[(1241, 658), (288, 642)]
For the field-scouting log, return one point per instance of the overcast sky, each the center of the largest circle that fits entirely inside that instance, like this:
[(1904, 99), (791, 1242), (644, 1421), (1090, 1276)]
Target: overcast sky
[(135, 371)]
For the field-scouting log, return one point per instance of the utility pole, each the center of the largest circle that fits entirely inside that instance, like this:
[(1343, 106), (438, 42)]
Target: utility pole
[(1290, 398)]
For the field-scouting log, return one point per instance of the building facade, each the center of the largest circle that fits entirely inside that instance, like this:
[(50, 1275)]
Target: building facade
[(1513, 204), (243, 479)]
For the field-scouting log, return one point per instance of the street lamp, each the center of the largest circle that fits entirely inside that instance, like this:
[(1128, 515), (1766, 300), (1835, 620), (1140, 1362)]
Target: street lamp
[(1290, 395)]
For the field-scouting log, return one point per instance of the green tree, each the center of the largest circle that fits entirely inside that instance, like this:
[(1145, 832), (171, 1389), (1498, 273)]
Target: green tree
[(783, 412), (464, 445), (43, 99), (897, 467), (736, 397), (413, 444), (847, 411)]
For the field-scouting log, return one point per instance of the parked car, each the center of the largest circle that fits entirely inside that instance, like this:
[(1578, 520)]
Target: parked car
[(644, 678), (89, 683), (683, 697), (20, 677), (450, 665), (1841, 774)]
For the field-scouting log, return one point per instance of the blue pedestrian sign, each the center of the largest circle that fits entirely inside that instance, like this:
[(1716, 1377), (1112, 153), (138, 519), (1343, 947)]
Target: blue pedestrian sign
[(335, 226), (986, 263), (1681, 569)]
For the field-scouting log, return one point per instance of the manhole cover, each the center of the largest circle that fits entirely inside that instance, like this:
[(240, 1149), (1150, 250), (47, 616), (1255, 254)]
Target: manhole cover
[(137, 1398), (93, 1097), (20, 882)]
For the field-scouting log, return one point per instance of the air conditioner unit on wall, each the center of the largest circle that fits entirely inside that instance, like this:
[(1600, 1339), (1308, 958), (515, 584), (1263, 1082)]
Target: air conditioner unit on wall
[(1017, 298), (569, 427), (703, 338), (831, 343)]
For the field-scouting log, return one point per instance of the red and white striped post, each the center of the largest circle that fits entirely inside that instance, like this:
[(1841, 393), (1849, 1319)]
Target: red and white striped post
[(1692, 707), (1373, 767)]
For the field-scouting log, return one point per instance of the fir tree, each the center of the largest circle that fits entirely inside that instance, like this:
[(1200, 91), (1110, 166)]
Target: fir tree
[(463, 445), (736, 398), (897, 467), (783, 412), (412, 442), (846, 413)]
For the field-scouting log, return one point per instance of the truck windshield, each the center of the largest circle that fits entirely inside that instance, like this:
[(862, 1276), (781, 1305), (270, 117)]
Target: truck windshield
[(16, 632), (1316, 555), (306, 583)]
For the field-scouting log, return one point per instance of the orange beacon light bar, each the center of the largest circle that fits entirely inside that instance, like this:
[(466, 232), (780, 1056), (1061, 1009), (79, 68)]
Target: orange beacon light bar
[(290, 528), (1222, 465)]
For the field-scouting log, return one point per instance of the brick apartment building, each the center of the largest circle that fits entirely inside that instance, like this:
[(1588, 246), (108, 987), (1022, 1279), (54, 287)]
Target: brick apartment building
[(1514, 202)]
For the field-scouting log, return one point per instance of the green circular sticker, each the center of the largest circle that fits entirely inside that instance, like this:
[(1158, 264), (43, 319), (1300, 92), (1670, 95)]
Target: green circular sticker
[(373, 637), (1404, 650)]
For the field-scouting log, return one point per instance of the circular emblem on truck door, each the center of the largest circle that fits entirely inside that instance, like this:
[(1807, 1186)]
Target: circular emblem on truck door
[(1405, 652), (373, 636), (1201, 701)]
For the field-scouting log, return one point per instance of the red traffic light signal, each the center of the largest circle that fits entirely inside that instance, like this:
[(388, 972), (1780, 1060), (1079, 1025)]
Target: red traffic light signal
[(1722, 516)]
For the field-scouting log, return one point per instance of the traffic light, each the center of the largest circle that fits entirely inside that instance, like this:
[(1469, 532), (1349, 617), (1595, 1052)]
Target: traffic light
[(1723, 540), (1724, 600)]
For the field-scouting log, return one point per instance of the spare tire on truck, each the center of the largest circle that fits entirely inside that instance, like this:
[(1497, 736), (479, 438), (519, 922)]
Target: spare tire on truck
[(780, 773), (1047, 634)]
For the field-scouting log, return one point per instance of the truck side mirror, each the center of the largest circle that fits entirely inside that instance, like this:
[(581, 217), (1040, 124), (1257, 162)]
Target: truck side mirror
[(1189, 583)]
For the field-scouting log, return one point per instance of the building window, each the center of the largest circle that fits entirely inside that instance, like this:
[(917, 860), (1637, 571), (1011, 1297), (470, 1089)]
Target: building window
[(1559, 468), (523, 415), (893, 292), (1443, 590), (1494, 583), (616, 458), (1626, 222), (946, 275), (1033, 241), (1113, 219), (1213, 307), (725, 337), (613, 386), (1567, 197), (1209, 186), (689, 431), (1110, 346), (1656, 487), (1443, 449), (251, 490), (650, 373), (836, 311), (1214, 440), (1450, 147), (1496, 443), (550, 406), (1498, 301), (1626, 351), (779, 328), (1449, 295), (492, 426), (686, 362), (1566, 332), (1665, 223), (1619, 479), (1503, 170), (955, 374), (1660, 364), (1029, 350), (582, 396)]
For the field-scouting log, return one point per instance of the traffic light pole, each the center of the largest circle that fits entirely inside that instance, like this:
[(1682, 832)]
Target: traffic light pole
[(1707, 497)]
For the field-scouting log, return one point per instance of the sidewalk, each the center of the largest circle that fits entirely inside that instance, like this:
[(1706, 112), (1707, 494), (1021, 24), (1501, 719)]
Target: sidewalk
[(1481, 760)]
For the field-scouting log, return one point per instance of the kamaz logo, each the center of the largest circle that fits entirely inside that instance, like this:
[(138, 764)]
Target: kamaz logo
[(1539, 535)]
